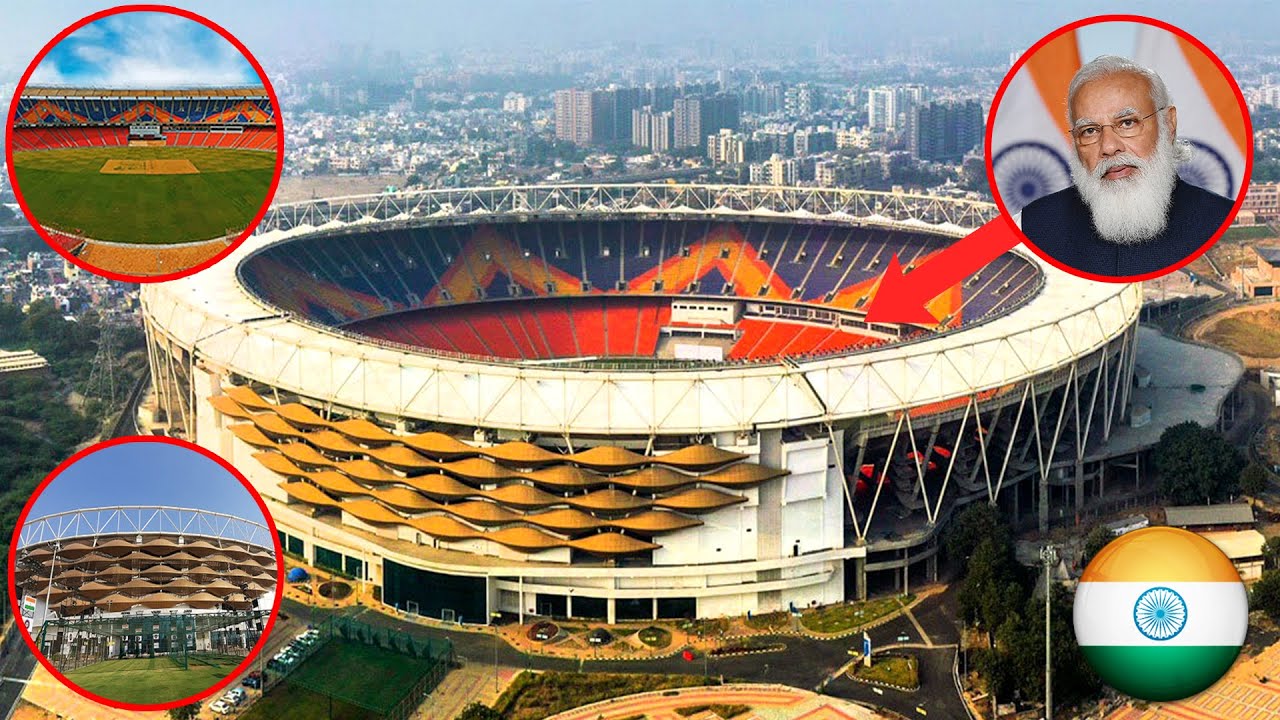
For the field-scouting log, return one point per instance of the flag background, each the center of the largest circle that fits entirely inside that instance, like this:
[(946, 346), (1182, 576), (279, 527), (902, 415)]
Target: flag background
[(1030, 143)]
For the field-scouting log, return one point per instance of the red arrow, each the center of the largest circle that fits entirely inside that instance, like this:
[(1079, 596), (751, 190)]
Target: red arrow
[(902, 298)]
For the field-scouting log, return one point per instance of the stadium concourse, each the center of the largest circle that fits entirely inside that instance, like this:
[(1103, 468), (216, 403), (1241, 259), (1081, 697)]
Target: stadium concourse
[(632, 402)]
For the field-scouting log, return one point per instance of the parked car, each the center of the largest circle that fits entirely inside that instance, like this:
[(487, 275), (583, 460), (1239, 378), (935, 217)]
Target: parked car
[(220, 707), (253, 680), (235, 696)]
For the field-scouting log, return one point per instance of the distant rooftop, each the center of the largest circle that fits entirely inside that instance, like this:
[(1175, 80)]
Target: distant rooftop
[(1270, 254), (1239, 544), (20, 361), (1187, 515)]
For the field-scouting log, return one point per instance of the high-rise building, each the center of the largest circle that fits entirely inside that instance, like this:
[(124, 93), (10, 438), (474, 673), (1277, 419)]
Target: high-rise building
[(802, 100), (763, 98), (811, 141), (653, 130), (774, 140), (575, 111), (514, 102), (697, 116), (592, 117), (777, 170), (727, 147), (826, 173), (882, 104), (889, 108), (944, 132), (853, 139)]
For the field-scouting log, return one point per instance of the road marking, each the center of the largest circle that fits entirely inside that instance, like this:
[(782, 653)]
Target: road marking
[(921, 710), (919, 628)]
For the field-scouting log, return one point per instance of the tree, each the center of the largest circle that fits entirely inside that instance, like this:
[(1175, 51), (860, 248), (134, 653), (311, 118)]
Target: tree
[(1271, 552), (1196, 464), (992, 590), (1266, 594), (976, 523), (185, 712), (479, 711), (414, 179), (1095, 541), (1254, 480)]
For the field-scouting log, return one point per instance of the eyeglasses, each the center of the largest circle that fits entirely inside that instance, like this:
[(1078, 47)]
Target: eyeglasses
[(1124, 127)]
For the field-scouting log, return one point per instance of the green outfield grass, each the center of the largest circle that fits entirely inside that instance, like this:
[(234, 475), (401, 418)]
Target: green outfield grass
[(147, 681), (344, 668), (64, 189), (290, 702)]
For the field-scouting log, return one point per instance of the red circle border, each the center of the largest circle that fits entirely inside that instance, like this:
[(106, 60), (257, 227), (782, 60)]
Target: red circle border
[(275, 539), (266, 201), (1248, 159)]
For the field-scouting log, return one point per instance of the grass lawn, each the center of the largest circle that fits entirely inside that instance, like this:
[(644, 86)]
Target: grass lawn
[(64, 189), (1256, 334), (147, 681), (345, 669), (901, 670), (838, 618), (655, 637), (1250, 232), (768, 621), (290, 702), (549, 693)]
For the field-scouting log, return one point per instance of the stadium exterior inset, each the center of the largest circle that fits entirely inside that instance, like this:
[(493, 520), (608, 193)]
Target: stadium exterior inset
[(116, 582), (634, 401)]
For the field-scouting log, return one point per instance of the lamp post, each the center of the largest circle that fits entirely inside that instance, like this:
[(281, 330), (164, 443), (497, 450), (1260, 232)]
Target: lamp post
[(492, 617), (1048, 555)]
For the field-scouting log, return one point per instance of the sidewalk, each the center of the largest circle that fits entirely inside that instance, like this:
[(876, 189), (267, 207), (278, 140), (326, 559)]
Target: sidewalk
[(572, 637)]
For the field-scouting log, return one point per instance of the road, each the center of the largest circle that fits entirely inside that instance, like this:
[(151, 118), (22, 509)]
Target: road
[(804, 663), (16, 665)]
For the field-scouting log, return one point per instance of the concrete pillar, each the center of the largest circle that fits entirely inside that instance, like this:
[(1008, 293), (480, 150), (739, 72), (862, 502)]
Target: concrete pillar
[(568, 605), (906, 571), (1044, 500), (1079, 485), (611, 611), (860, 577), (654, 616), (931, 567)]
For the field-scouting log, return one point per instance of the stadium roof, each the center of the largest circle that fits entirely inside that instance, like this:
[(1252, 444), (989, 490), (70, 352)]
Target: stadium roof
[(73, 92), (1270, 254), (1068, 319), (1189, 515)]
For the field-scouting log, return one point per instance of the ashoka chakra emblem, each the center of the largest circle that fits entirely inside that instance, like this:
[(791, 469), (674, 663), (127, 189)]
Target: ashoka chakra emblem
[(1160, 613)]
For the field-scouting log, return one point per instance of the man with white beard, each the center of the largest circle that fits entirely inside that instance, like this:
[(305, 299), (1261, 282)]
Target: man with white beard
[(1128, 212)]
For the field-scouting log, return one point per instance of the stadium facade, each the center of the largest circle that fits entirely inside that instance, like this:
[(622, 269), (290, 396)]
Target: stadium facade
[(103, 583), (634, 401)]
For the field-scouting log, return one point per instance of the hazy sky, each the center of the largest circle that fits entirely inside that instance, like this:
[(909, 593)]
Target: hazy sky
[(146, 473), (274, 28), (145, 50)]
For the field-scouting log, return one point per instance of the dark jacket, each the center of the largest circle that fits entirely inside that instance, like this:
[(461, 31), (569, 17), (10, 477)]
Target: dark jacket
[(1060, 225)]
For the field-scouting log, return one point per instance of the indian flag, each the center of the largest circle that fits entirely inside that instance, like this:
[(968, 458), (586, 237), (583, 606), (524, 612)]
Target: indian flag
[(1161, 613)]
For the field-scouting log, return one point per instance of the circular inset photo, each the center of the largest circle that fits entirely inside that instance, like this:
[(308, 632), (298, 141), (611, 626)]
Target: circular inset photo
[(144, 143), (1121, 145), (144, 573)]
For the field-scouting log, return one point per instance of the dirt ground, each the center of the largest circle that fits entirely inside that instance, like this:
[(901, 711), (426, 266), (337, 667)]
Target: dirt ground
[(1254, 340)]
